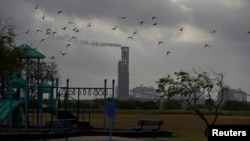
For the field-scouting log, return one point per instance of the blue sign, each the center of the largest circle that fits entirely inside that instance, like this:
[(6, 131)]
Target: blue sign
[(111, 109)]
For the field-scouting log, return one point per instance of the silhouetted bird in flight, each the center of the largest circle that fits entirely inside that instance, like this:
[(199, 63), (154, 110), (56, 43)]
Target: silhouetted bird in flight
[(134, 32), (38, 31), (248, 32), (155, 23), (89, 25), (114, 28), (206, 45), (42, 40), (54, 33), (47, 30), (68, 45), (181, 29), (27, 32), (213, 31), (64, 28), (141, 23), (130, 37), (74, 37), (160, 42), (123, 17), (62, 53), (36, 7), (60, 11), (168, 52), (154, 17), (70, 22), (43, 17), (52, 57)]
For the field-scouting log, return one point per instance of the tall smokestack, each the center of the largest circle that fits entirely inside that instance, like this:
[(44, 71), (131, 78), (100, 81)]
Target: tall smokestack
[(123, 75)]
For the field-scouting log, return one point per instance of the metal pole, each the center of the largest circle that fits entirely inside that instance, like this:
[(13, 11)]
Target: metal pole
[(56, 110), (78, 103), (26, 105), (105, 104), (40, 103), (27, 95), (67, 97), (113, 99), (10, 100)]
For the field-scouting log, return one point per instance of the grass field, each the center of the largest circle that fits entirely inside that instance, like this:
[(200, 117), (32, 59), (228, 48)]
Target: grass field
[(186, 125)]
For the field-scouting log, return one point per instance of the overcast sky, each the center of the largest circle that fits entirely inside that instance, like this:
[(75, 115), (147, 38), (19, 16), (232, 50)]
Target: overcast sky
[(94, 55)]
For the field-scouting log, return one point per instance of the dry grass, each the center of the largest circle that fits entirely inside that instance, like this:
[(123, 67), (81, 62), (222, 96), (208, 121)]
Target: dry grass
[(180, 124), (186, 127)]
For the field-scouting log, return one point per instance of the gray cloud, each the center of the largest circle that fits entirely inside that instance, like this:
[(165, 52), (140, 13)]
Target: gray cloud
[(94, 53)]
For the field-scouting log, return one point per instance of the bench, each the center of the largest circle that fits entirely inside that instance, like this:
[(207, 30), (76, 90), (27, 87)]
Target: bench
[(60, 125), (152, 125)]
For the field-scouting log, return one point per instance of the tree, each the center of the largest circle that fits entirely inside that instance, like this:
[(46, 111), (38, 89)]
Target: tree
[(48, 72), (172, 104), (8, 53), (190, 87), (10, 59)]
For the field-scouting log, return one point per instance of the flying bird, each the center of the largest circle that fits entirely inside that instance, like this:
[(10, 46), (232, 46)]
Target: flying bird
[(123, 17), (70, 23), (64, 28), (54, 33), (68, 45), (42, 40), (36, 7), (154, 17), (134, 32), (213, 31), (248, 32), (89, 25), (74, 37), (52, 57), (114, 28), (38, 31), (27, 32), (62, 53), (155, 23), (60, 11), (160, 42), (206, 45), (181, 29), (130, 37), (168, 52), (48, 30), (141, 23), (43, 17)]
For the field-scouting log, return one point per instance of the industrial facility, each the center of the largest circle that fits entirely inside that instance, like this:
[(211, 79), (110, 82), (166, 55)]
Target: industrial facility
[(122, 92)]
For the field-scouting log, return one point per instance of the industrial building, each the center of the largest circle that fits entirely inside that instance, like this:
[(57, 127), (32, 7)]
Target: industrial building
[(123, 75)]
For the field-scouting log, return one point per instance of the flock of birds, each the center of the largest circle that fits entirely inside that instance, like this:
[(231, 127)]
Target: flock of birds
[(76, 30)]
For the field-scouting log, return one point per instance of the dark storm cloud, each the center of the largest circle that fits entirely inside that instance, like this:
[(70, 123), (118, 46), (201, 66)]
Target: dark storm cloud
[(96, 48)]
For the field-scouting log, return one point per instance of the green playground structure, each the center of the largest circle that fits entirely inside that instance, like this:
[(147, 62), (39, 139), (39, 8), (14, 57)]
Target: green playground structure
[(16, 101), (5, 107)]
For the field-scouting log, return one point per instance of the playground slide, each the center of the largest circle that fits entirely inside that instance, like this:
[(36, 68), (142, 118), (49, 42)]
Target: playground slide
[(5, 107)]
